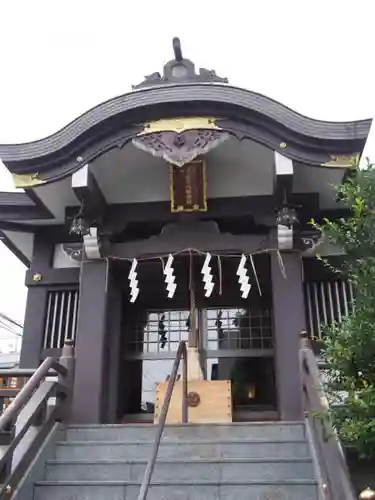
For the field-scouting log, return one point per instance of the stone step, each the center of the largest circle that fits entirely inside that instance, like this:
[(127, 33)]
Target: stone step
[(294, 431), (220, 471), (112, 490), (204, 449)]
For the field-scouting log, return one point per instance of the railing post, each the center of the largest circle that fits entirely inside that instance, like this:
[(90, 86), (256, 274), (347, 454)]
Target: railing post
[(67, 361), (185, 410), (304, 340), (181, 351)]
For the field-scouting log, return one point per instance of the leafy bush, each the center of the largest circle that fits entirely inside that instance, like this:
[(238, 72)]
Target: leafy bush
[(349, 348)]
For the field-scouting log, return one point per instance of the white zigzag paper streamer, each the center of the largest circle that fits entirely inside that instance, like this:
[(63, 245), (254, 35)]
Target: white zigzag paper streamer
[(133, 282), (207, 276), (169, 277), (243, 278)]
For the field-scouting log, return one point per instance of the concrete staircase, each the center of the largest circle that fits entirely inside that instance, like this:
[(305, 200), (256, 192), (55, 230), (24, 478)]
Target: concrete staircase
[(265, 461)]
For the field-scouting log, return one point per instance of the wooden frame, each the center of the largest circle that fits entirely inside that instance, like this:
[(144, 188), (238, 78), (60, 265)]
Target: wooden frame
[(214, 407)]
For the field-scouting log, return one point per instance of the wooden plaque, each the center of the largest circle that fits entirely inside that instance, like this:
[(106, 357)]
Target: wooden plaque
[(188, 187), (215, 406)]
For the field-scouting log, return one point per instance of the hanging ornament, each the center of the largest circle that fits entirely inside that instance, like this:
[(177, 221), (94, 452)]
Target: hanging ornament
[(162, 332), (169, 277), (219, 325), (133, 282), (207, 276), (243, 278)]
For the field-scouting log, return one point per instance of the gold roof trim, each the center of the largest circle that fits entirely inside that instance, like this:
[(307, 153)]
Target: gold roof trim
[(180, 125), (342, 161), (26, 180)]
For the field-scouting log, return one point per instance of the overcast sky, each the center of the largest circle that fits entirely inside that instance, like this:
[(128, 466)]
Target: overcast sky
[(60, 58)]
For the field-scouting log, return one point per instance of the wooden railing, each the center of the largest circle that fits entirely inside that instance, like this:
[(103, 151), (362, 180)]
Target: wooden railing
[(332, 471), (27, 421)]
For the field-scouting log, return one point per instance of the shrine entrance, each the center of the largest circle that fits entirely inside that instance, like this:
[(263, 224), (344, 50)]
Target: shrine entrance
[(235, 340)]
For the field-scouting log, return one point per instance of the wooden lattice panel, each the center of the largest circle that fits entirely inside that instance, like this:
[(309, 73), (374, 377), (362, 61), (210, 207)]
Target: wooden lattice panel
[(215, 402)]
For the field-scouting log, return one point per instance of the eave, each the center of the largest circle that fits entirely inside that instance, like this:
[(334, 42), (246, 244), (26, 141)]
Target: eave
[(16, 212), (243, 113), (14, 249), (16, 207)]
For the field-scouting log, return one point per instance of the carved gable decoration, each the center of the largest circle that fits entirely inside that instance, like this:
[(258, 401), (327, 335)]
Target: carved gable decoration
[(180, 141)]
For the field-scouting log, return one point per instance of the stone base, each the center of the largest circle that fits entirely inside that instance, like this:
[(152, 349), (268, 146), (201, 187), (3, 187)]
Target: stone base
[(215, 405)]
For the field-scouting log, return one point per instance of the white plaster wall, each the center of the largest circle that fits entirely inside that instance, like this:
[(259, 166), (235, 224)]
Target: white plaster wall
[(308, 179), (239, 169), (234, 168), (57, 196)]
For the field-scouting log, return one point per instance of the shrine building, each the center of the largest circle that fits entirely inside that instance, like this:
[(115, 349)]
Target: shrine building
[(180, 211)]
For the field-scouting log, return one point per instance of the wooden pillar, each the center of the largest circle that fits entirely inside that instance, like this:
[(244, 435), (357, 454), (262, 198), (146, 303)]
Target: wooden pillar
[(36, 303), (113, 357), (289, 320), (193, 355), (90, 349)]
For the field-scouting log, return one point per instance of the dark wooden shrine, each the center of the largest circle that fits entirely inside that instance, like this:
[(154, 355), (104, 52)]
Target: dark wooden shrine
[(185, 165)]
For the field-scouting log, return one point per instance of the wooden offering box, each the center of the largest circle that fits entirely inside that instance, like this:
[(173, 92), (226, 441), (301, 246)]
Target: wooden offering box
[(214, 407)]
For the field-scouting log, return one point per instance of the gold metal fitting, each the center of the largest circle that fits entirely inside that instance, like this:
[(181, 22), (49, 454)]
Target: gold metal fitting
[(37, 277), (283, 145), (8, 489), (367, 494)]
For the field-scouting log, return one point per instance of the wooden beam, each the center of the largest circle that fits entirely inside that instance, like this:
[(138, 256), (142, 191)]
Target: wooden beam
[(20, 206), (51, 277), (16, 226), (87, 191), (175, 238), (120, 214), (20, 213)]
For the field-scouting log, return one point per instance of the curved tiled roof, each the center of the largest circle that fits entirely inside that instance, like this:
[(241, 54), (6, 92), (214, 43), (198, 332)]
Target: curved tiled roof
[(215, 94)]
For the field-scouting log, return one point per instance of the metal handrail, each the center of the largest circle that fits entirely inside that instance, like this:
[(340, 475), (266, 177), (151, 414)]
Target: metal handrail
[(334, 472), (181, 353), (30, 408), (27, 391)]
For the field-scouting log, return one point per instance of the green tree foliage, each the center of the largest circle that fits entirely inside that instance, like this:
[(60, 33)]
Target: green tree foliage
[(349, 348)]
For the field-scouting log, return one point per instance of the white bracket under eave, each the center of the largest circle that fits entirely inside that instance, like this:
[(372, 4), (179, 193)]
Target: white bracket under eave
[(283, 165), (92, 245), (285, 237)]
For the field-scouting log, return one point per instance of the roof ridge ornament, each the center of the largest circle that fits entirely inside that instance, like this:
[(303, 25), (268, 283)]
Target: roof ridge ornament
[(177, 48), (180, 70)]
